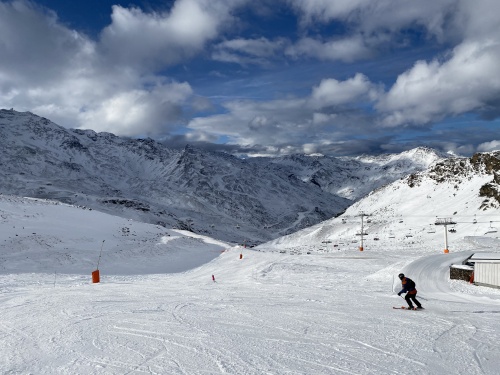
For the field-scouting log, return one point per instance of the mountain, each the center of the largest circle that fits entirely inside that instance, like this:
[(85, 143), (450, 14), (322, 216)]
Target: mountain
[(205, 192), (354, 178), (465, 191)]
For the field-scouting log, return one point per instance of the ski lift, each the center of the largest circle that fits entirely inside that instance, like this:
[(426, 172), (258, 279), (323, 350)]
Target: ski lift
[(400, 220), (491, 229), (362, 234), (391, 235), (237, 226), (408, 235), (474, 221), (431, 229), (452, 230), (344, 221)]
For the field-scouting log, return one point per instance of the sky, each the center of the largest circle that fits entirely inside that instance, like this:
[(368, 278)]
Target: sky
[(261, 77)]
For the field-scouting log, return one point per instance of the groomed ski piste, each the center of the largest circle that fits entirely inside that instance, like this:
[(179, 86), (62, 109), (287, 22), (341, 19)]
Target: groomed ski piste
[(157, 310)]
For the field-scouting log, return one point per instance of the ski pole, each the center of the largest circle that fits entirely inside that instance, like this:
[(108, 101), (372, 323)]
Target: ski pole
[(100, 253)]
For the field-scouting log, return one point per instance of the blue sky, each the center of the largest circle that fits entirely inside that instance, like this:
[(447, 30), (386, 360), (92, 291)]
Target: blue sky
[(261, 77)]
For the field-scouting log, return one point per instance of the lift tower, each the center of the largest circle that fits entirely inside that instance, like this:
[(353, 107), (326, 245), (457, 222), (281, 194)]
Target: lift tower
[(445, 222), (362, 233)]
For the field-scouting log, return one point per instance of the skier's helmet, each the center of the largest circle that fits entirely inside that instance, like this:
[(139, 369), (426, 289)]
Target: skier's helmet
[(401, 276)]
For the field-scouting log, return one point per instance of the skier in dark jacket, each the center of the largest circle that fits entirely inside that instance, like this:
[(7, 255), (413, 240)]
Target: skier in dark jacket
[(411, 293)]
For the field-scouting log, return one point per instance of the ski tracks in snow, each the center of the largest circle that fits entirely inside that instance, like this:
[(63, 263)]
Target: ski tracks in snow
[(459, 333)]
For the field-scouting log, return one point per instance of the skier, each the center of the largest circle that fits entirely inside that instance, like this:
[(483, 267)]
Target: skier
[(409, 288), (213, 278)]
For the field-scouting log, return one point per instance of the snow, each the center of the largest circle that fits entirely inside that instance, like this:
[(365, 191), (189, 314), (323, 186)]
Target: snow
[(157, 310), (462, 267), (485, 256)]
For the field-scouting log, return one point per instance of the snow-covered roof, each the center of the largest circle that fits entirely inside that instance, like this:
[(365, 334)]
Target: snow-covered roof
[(462, 266), (485, 257)]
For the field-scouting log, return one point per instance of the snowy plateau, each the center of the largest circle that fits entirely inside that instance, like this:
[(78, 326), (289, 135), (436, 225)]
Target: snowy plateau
[(181, 294)]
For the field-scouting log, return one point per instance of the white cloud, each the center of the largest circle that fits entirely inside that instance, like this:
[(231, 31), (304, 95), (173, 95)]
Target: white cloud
[(489, 146), (466, 82), (36, 49), (109, 84), (369, 16), (153, 40), (331, 92), (322, 118), (136, 112), (260, 51), (326, 10), (329, 112), (347, 49), (261, 47)]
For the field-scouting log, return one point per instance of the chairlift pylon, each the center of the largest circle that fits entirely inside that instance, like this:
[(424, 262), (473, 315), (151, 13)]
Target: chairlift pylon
[(491, 229)]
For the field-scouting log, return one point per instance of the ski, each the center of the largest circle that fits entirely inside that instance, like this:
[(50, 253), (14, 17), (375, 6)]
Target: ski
[(406, 308), (403, 308)]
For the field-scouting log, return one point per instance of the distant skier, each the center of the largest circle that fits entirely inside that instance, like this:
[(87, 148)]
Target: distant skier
[(411, 293), (213, 278)]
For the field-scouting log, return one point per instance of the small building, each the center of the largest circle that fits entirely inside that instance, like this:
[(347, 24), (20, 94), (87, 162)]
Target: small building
[(463, 272), (486, 269)]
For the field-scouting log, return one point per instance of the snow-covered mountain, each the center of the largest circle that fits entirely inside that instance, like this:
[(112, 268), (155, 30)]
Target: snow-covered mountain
[(354, 178), (209, 193), (465, 191)]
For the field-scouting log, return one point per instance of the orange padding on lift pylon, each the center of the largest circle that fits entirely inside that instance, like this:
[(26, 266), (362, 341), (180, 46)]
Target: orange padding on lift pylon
[(95, 277), (360, 248), (446, 251)]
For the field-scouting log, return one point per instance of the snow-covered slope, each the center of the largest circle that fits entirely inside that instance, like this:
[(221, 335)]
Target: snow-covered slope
[(51, 237), (462, 190), (267, 313)]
